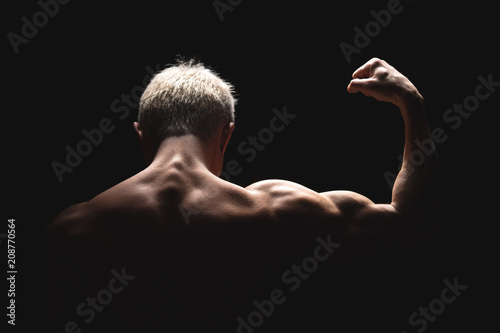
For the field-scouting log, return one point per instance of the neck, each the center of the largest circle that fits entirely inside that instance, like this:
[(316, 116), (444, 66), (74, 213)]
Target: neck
[(187, 149)]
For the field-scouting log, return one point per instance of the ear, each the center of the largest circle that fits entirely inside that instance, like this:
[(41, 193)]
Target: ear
[(140, 134), (146, 147), (226, 132)]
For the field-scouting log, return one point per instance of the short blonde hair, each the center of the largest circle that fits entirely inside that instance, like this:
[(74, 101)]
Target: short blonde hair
[(186, 98)]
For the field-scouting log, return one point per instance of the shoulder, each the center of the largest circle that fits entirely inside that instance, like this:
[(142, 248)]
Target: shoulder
[(75, 225), (129, 205), (282, 190), (290, 200), (71, 221), (90, 222)]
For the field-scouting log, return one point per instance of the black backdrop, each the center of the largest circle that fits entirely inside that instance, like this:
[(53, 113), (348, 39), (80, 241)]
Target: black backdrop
[(279, 54)]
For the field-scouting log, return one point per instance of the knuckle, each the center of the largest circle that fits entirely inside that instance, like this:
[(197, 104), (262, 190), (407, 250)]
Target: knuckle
[(382, 73), (379, 63)]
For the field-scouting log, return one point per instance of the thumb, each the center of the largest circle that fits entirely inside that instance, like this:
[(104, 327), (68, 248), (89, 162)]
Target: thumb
[(357, 85)]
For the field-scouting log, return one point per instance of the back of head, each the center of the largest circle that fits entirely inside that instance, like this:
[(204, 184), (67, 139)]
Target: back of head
[(185, 98)]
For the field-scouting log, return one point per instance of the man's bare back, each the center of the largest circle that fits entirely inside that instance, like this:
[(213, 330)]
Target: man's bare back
[(199, 247)]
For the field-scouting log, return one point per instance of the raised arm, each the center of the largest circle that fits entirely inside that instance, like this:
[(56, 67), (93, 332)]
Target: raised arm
[(378, 79)]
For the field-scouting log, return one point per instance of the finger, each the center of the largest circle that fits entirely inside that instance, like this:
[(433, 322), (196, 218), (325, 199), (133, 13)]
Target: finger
[(367, 69), (362, 72)]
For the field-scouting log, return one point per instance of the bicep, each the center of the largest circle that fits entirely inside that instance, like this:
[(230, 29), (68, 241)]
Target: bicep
[(345, 210), (362, 214)]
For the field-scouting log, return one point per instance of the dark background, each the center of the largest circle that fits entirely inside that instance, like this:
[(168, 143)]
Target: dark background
[(276, 54)]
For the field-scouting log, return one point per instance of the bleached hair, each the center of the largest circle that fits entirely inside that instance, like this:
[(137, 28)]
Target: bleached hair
[(186, 98)]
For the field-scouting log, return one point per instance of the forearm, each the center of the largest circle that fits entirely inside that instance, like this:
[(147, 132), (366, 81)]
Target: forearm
[(419, 157)]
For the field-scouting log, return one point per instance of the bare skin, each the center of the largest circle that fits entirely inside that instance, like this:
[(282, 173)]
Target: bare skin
[(180, 193)]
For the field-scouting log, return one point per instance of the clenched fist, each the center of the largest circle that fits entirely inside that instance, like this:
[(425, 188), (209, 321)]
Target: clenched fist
[(376, 78)]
